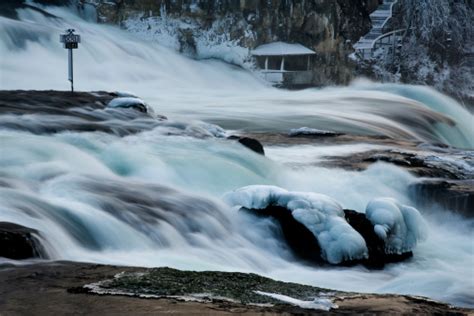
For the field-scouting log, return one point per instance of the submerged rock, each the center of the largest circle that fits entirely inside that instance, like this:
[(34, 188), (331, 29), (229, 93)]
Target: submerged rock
[(18, 242)]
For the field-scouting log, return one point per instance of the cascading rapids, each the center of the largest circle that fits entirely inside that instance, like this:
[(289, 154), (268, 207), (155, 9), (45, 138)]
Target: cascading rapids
[(153, 198), (180, 86)]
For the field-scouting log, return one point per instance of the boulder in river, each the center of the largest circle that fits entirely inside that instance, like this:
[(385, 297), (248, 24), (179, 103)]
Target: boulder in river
[(250, 143), (18, 242)]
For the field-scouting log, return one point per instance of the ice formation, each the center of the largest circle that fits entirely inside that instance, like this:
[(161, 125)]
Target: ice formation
[(400, 226), (322, 215), (125, 102)]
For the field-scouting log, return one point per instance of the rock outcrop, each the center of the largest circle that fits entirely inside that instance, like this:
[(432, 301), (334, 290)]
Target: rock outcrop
[(18, 242), (62, 289), (78, 111), (250, 143)]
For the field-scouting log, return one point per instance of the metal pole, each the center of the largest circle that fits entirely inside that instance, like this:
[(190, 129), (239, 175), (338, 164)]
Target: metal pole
[(71, 74)]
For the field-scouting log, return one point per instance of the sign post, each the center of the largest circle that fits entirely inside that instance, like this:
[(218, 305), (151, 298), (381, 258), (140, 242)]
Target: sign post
[(70, 41)]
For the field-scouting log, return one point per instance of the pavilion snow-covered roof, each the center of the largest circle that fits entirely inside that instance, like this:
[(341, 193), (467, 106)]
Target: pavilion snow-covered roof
[(281, 49)]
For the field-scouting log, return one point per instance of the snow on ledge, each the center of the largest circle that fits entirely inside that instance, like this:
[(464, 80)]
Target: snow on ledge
[(317, 303), (322, 215), (281, 49)]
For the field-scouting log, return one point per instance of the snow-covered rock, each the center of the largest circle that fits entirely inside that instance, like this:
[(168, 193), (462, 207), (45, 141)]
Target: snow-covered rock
[(320, 214), (129, 102), (400, 226)]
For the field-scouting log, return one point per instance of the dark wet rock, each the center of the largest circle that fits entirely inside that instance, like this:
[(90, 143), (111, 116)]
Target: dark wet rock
[(300, 240), (250, 143), (19, 242), (454, 195), (376, 246)]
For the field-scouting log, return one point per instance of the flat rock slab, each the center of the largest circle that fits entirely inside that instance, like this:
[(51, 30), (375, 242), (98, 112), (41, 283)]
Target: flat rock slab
[(49, 112), (45, 289)]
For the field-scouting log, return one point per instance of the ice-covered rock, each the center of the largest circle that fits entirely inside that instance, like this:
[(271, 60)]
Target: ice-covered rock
[(129, 102), (320, 214), (400, 226), (124, 94)]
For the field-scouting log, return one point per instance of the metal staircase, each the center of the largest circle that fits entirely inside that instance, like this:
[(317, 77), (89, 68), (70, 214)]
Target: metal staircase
[(365, 46)]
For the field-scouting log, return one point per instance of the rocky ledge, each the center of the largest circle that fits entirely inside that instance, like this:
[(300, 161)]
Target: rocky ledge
[(446, 175), (56, 287)]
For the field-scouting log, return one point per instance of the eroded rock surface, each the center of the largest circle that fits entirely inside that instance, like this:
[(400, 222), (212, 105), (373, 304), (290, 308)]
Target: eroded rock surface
[(62, 290)]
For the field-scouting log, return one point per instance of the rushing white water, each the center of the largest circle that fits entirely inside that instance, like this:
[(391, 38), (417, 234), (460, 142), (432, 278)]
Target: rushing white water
[(150, 200)]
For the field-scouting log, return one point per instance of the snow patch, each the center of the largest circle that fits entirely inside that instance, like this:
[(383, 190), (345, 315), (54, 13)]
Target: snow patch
[(322, 215), (400, 226), (206, 43), (318, 303)]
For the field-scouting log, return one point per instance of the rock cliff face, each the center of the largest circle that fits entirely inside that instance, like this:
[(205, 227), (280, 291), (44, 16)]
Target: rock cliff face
[(227, 29), (437, 48)]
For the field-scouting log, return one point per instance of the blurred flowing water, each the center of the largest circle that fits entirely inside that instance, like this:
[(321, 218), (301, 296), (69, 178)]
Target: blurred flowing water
[(154, 200)]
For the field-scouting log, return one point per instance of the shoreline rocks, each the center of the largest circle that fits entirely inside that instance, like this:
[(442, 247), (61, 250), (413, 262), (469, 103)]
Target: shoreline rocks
[(62, 289)]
